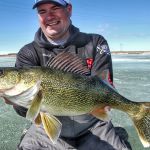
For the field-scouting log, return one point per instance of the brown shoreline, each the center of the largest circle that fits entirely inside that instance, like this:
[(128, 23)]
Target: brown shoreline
[(8, 55), (129, 52), (112, 52)]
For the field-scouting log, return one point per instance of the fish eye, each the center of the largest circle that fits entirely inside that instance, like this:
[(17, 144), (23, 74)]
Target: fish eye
[(1, 72)]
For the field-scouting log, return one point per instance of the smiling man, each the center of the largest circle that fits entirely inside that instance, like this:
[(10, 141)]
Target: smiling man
[(54, 20), (57, 34)]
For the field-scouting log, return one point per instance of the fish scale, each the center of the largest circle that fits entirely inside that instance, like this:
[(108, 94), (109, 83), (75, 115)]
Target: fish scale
[(47, 92)]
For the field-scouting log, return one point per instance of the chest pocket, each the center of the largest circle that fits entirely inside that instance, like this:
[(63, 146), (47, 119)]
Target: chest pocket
[(87, 53)]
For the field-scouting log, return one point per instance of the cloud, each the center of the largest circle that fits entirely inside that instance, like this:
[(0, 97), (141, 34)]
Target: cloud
[(103, 28), (106, 29), (129, 35), (111, 31)]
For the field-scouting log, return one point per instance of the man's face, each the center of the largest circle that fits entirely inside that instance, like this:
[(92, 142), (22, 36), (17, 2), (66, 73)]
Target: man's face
[(54, 20)]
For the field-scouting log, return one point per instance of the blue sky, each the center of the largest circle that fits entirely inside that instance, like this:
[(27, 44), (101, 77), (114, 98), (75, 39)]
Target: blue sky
[(124, 24)]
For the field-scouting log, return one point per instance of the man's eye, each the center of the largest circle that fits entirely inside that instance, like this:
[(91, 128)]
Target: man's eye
[(1, 72), (56, 8), (41, 11)]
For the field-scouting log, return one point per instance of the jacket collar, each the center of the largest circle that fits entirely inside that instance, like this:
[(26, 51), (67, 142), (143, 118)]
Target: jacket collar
[(42, 41)]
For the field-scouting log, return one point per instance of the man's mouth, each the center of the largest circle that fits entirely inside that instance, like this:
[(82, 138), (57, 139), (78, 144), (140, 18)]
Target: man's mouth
[(52, 23)]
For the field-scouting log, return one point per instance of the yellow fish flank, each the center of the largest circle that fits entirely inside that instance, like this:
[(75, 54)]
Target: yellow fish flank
[(60, 91)]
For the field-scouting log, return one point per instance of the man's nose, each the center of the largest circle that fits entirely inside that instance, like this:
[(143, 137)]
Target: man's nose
[(50, 14)]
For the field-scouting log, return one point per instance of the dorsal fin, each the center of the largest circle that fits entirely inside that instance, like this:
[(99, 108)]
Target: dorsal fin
[(68, 62)]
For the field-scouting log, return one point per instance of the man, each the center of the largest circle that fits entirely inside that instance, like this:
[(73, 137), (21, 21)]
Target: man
[(57, 34)]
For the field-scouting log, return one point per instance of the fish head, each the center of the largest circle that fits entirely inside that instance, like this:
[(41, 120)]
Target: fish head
[(9, 77)]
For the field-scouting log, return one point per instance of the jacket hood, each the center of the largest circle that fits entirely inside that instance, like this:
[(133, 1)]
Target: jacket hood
[(42, 41)]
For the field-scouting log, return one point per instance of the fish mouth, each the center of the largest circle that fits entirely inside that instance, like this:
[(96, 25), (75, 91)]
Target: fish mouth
[(2, 91)]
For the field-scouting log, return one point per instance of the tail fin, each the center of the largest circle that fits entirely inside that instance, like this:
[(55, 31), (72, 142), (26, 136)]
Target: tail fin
[(142, 123)]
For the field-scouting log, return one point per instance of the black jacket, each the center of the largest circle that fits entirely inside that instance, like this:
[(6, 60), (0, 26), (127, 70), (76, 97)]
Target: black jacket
[(91, 47)]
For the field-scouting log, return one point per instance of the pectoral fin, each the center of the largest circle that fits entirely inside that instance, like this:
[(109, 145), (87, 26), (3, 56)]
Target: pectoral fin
[(38, 120), (101, 113), (52, 126), (34, 109)]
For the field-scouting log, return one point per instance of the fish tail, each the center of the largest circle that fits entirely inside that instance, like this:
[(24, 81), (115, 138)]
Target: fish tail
[(141, 121)]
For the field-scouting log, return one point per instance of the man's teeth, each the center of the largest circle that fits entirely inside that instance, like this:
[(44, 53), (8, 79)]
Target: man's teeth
[(53, 23)]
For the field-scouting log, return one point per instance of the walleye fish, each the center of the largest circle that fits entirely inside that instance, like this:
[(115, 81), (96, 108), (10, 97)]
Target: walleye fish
[(63, 89)]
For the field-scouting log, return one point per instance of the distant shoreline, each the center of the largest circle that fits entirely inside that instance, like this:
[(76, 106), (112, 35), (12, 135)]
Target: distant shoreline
[(130, 52), (112, 52), (8, 55)]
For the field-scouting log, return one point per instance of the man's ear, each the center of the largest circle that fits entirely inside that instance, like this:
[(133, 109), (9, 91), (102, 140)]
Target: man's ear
[(69, 10)]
